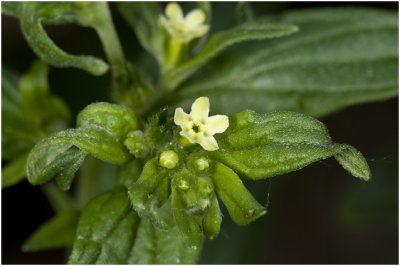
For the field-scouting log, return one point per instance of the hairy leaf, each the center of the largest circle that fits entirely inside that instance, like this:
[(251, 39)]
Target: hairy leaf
[(156, 246), (106, 230), (45, 158), (57, 232), (115, 119), (218, 42), (150, 192), (33, 15), (339, 57), (259, 146), (241, 205), (189, 228)]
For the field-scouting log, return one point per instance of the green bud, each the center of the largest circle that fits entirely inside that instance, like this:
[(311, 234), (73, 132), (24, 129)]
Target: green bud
[(169, 159), (201, 164), (198, 163), (212, 220), (136, 144), (205, 186), (190, 199)]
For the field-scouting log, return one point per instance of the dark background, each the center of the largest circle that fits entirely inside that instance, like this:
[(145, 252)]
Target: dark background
[(319, 214)]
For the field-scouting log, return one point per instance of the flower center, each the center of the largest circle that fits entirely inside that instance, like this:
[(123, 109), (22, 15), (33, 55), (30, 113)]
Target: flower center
[(196, 128)]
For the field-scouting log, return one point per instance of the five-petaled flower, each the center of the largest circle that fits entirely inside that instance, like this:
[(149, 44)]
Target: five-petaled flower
[(184, 28), (197, 127)]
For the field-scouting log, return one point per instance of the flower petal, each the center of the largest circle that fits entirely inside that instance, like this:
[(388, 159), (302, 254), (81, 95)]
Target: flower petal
[(174, 12), (200, 30), (194, 18), (216, 124), (208, 143), (185, 134), (181, 118), (200, 109)]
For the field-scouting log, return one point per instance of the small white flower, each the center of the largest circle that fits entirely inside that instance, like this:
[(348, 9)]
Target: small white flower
[(197, 127), (184, 28)]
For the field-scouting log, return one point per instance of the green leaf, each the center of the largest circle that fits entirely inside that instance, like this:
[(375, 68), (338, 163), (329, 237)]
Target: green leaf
[(143, 18), (106, 230), (340, 57), (150, 192), (156, 246), (212, 220), (57, 232), (260, 146), (188, 226), (33, 15), (241, 205), (13, 172), (220, 41), (46, 157), (115, 119)]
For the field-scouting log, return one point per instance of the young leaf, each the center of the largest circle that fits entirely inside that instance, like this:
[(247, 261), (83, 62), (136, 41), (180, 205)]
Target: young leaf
[(241, 205), (115, 119), (156, 246), (188, 226), (47, 155), (147, 194), (340, 57), (143, 18), (220, 41), (13, 172), (212, 220), (57, 232), (260, 146), (106, 230)]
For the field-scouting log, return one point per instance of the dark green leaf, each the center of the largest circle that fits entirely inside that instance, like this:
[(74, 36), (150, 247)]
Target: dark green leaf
[(156, 246), (57, 232), (340, 57), (106, 230), (218, 42), (115, 119), (45, 158), (259, 146), (13, 172), (241, 205)]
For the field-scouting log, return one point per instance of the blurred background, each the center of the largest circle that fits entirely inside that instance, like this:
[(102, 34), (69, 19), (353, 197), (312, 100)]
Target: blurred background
[(317, 215)]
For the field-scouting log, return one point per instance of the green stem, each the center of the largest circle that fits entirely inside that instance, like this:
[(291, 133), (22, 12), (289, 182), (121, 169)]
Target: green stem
[(109, 38), (59, 200)]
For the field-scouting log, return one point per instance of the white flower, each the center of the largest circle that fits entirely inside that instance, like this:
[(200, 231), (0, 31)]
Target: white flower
[(197, 127), (184, 28)]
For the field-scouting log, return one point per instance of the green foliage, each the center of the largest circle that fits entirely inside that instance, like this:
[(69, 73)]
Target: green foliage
[(106, 230), (339, 57), (57, 232), (259, 146), (220, 41), (165, 198)]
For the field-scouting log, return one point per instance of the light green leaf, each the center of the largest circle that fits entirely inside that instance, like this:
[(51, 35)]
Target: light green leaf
[(57, 232), (241, 205), (219, 41), (33, 15), (212, 220), (115, 119), (106, 230), (339, 57), (143, 18), (48, 154), (150, 192), (13, 172), (260, 146), (189, 228), (156, 246)]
